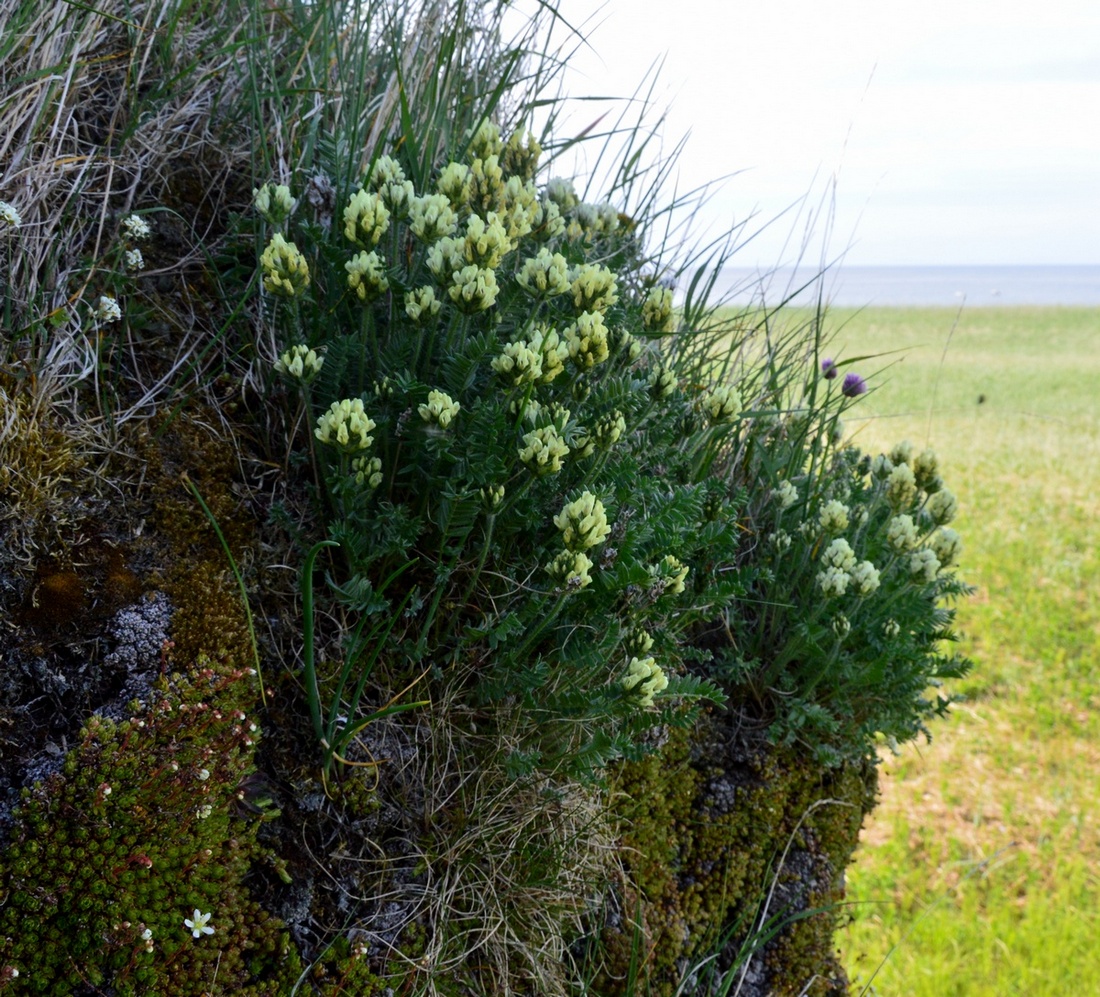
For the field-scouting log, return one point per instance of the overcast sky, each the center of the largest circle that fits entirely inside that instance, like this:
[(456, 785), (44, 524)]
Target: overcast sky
[(956, 131)]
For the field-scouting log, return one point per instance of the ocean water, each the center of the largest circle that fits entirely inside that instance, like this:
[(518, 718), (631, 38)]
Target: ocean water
[(972, 286)]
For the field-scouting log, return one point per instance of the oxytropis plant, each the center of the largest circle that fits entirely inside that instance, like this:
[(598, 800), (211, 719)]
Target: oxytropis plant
[(517, 481)]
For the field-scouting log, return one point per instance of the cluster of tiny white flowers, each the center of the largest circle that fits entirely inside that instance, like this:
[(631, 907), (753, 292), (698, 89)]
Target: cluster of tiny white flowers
[(133, 260), (107, 309), (583, 522), (9, 216), (839, 554), (834, 517), (300, 362), (135, 228), (644, 679), (440, 409), (346, 425)]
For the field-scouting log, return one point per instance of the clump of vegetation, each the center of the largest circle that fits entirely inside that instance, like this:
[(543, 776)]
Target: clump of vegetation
[(540, 506)]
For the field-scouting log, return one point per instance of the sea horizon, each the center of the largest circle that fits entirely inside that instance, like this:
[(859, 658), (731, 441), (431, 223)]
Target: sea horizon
[(916, 286)]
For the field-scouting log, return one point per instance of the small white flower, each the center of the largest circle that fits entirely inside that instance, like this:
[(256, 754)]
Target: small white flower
[(135, 227), (901, 534), (839, 554), (834, 517), (197, 922), (786, 494), (107, 309), (147, 935), (203, 775), (943, 507), (9, 216), (134, 260)]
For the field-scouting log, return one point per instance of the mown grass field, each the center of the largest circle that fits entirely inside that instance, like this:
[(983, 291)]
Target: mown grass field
[(979, 873)]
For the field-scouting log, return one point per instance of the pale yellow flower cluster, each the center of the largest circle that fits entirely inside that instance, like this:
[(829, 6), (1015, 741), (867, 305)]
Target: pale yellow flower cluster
[(366, 219), (593, 288), (543, 450), (272, 202), (421, 304), (587, 341), (286, 272), (367, 276), (473, 289), (657, 310), (583, 522), (440, 409), (722, 403), (662, 382), (544, 275), (346, 425), (431, 217), (670, 573), (518, 364), (644, 679), (833, 517), (571, 570), (300, 363)]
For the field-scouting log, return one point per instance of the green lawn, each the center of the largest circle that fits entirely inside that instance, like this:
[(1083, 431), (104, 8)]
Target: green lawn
[(982, 863)]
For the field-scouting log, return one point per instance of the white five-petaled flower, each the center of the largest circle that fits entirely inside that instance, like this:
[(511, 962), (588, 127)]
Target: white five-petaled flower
[(197, 922)]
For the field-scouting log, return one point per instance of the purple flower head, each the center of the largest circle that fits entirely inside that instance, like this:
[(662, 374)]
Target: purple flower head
[(829, 368), (853, 385)]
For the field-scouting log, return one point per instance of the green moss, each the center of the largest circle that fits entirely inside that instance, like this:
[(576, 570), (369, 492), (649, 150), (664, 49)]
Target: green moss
[(142, 826), (707, 821)]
